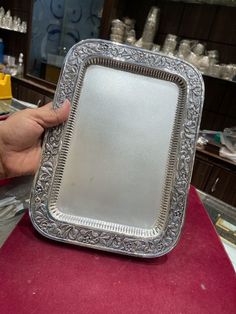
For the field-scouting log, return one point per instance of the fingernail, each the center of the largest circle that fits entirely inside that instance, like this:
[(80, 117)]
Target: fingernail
[(66, 102)]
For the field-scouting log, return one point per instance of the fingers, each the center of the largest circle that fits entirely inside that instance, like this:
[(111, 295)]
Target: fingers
[(48, 117)]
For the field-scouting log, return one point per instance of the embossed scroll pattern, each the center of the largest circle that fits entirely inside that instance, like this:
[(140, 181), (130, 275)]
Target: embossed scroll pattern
[(107, 240)]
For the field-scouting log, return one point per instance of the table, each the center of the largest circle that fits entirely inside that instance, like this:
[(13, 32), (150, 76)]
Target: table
[(42, 276)]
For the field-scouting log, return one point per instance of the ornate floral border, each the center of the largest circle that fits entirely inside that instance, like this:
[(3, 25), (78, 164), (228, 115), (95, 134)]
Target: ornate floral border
[(107, 240)]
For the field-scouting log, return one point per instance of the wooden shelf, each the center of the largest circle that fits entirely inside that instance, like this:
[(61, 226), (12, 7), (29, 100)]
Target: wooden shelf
[(12, 30), (217, 157)]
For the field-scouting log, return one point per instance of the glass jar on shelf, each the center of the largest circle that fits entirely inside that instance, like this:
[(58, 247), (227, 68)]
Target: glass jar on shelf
[(8, 20), (23, 27), (170, 45), (213, 70), (184, 49), (156, 48), (2, 14), (117, 31), (228, 71), (130, 37), (150, 28), (129, 32), (213, 56), (196, 55)]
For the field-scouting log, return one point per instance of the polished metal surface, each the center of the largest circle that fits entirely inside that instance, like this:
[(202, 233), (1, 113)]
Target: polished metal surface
[(115, 177)]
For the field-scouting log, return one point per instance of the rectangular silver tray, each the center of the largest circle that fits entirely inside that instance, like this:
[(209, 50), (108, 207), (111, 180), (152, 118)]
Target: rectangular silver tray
[(115, 177)]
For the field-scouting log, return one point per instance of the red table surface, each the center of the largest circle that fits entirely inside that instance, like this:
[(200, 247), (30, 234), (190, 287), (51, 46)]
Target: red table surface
[(42, 276)]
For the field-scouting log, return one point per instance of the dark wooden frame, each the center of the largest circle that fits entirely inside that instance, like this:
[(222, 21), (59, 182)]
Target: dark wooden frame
[(27, 75)]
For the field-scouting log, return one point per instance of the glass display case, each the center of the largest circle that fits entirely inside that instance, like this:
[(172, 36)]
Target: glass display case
[(56, 29), (222, 215)]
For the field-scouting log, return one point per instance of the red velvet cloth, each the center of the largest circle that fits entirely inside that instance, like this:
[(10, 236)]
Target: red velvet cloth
[(4, 181), (42, 276)]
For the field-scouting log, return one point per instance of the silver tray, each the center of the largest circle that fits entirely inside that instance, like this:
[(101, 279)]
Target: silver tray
[(115, 177)]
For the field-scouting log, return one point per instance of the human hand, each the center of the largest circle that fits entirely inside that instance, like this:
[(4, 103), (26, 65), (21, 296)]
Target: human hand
[(20, 138)]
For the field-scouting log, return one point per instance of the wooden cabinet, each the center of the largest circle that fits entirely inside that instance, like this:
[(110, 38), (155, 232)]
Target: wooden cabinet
[(48, 99), (215, 176), (30, 95), (222, 184), (25, 90), (201, 173)]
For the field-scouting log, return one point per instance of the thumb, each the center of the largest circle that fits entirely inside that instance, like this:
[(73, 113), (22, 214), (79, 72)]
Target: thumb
[(48, 117)]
